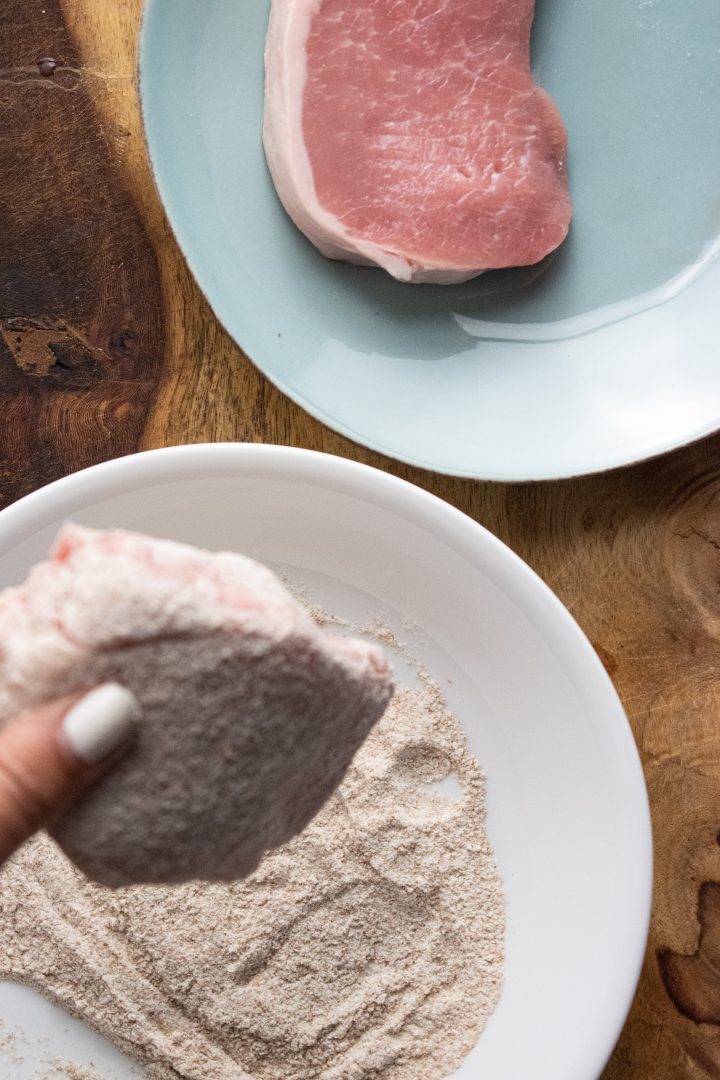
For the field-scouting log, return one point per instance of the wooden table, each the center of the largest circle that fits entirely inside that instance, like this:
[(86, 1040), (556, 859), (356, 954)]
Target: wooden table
[(107, 347)]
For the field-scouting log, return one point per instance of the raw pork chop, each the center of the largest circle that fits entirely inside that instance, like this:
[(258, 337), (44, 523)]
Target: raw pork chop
[(410, 134), (250, 713)]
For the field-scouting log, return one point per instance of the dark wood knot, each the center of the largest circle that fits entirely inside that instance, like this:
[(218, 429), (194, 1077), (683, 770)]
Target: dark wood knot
[(693, 982), (124, 341), (46, 66)]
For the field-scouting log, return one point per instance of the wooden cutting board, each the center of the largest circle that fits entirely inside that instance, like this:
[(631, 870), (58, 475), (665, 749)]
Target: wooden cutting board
[(107, 347)]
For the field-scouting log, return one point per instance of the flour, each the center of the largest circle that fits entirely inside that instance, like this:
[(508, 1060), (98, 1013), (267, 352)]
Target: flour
[(371, 946), (249, 712)]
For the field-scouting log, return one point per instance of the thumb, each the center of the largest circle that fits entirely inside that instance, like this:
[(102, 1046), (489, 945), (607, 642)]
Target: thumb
[(50, 755)]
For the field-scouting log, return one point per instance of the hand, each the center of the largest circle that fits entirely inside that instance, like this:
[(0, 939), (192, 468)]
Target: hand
[(50, 756)]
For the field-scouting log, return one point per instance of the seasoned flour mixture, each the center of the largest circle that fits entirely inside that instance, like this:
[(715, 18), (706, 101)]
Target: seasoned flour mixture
[(369, 946)]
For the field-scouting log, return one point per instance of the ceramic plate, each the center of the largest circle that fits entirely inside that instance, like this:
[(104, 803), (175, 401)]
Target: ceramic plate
[(568, 813), (607, 356)]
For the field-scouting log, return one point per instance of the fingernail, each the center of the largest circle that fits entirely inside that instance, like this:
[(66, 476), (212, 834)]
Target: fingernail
[(100, 722)]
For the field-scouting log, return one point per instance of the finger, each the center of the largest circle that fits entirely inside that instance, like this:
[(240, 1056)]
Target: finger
[(51, 755)]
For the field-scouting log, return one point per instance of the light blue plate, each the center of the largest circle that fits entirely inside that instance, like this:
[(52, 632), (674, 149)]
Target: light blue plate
[(608, 356)]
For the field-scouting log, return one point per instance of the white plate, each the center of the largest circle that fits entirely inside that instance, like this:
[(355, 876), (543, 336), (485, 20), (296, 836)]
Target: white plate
[(568, 812)]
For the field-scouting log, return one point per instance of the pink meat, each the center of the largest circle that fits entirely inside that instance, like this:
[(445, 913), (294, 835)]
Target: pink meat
[(250, 712), (410, 134)]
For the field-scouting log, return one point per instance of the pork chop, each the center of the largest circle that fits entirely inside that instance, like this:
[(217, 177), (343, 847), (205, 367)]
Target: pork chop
[(250, 713), (409, 134)]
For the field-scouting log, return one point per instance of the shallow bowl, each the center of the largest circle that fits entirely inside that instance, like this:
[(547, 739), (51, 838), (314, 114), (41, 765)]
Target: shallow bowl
[(568, 811)]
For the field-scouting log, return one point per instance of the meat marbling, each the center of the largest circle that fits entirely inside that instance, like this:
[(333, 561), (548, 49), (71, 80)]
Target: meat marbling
[(410, 134)]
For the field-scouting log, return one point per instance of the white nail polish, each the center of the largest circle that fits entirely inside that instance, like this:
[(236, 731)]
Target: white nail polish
[(100, 722)]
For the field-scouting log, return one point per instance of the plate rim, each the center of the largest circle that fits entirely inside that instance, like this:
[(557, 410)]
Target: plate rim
[(467, 537)]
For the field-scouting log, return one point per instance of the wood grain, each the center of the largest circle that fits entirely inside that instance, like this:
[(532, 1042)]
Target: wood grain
[(107, 346), (81, 325)]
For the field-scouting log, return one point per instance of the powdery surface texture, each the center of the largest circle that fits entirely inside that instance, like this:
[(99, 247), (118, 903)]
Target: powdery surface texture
[(251, 713), (369, 948), (410, 134)]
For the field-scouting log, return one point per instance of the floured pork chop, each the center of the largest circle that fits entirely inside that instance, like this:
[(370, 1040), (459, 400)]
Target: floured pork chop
[(410, 134), (250, 713)]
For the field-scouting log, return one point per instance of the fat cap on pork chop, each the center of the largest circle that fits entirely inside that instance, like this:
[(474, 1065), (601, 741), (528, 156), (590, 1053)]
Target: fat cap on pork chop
[(410, 134)]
